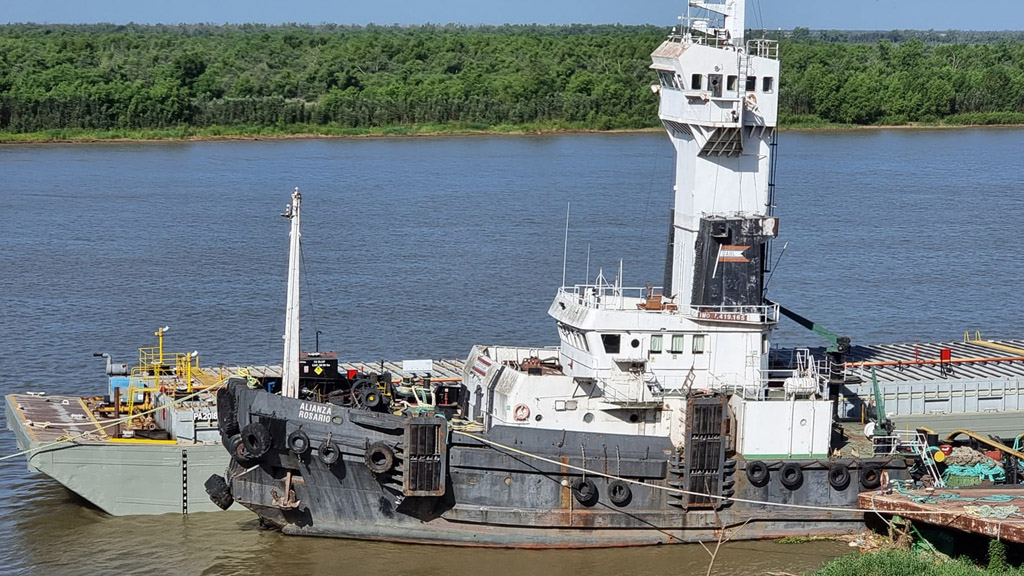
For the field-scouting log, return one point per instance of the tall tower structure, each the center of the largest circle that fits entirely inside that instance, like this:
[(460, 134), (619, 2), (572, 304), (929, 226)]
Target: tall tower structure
[(719, 105)]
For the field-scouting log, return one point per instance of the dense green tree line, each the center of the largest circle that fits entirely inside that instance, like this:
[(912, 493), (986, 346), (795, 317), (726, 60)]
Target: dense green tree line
[(107, 77), (898, 83)]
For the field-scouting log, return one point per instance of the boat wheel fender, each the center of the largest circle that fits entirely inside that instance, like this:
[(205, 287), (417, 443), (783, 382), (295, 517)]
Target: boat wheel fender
[(298, 442), (236, 447), (871, 476), (257, 439), (227, 411), (328, 452), (619, 492), (379, 457), (757, 473), (585, 491), (219, 492), (791, 475), (521, 413), (839, 476)]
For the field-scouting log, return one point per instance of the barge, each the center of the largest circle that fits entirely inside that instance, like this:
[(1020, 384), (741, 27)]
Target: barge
[(148, 445)]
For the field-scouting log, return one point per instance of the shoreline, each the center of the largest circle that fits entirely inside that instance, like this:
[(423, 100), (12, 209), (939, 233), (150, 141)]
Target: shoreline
[(396, 132)]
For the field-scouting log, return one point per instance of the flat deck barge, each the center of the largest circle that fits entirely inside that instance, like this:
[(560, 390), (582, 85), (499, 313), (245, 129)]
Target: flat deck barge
[(992, 512)]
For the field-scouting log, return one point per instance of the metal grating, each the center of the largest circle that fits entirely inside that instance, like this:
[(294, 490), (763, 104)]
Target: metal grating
[(425, 457), (706, 429)]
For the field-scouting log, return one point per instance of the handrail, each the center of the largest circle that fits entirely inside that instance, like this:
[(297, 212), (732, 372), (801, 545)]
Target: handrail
[(977, 340)]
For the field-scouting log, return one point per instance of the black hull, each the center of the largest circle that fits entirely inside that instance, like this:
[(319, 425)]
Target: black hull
[(494, 497)]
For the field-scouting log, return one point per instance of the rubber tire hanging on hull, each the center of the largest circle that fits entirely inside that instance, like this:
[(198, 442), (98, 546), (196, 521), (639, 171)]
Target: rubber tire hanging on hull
[(298, 442), (757, 473), (839, 477), (328, 452), (236, 447), (619, 492), (218, 491), (871, 476), (585, 491), (791, 475), (257, 439), (227, 412), (379, 457)]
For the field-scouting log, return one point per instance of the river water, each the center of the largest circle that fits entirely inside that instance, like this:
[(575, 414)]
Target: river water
[(421, 247)]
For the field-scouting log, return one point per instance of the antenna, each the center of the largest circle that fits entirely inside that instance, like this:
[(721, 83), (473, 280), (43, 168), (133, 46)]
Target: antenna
[(587, 277), (565, 246)]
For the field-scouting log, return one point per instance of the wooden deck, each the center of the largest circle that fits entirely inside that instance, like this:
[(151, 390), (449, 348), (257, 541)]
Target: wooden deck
[(965, 509)]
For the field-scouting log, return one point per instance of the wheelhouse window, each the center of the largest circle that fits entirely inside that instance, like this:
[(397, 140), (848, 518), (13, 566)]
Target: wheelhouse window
[(656, 344), (751, 83), (731, 83), (611, 343), (715, 85), (697, 82), (677, 344), (698, 343), (667, 79), (767, 84)]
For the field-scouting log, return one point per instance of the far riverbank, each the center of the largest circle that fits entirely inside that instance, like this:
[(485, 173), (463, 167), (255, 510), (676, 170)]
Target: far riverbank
[(298, 132)]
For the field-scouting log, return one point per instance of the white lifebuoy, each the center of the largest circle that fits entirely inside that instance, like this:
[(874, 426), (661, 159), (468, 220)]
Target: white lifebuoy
[(521, 412), (704, 96)]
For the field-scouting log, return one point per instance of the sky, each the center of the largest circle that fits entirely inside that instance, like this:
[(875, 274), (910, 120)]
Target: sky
[(770, 14)]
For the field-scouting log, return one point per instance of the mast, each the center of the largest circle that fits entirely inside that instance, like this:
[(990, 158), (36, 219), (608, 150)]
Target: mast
[(290, 366)]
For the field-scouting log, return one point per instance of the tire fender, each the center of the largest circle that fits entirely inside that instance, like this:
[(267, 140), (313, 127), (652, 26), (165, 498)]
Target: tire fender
[(791, 475), (757, 473), (257, 439), (379, 458)]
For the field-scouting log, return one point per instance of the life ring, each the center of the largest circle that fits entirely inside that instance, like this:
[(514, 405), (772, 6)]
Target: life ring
[(257, 439), (585, 491), (751, 101), (218, 491), (871, 476), (328, 452), (757, 473), (791, 475), (298, 442), (379, 457), (704, 96), (521, 412), (839, 477), (619, 492)]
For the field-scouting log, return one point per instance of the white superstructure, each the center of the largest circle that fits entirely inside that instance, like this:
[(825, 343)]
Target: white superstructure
[(629, 357)]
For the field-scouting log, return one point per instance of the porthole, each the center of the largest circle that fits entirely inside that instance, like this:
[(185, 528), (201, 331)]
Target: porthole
[(588, 417)]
